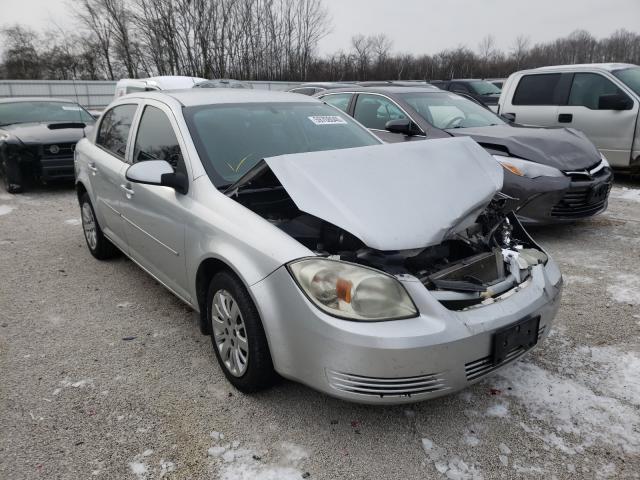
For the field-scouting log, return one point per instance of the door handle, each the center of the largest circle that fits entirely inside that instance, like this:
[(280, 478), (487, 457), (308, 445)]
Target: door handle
[(128, 191), (92, 167), (565, 118)]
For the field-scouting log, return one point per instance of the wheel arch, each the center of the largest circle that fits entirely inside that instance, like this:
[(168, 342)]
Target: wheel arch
[(206, 270)]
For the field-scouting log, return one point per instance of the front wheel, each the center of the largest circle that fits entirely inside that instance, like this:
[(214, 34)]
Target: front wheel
[(12, 177), (237, 334), (99, 245)]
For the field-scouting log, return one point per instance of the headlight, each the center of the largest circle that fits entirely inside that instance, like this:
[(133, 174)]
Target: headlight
[(524, 168), (604, 162), (351, 291)]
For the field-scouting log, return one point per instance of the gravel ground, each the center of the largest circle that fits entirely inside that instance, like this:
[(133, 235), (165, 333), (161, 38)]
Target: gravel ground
[(105, 374)]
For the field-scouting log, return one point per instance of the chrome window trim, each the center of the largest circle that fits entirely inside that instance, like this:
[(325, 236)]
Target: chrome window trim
[(379, 95)]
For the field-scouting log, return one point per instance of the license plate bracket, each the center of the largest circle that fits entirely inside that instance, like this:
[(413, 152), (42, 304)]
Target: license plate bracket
[(520, 334)]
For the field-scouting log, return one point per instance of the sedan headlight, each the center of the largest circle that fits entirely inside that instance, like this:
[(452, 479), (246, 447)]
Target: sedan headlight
[(525, 168), (604, 162), (352, 291)]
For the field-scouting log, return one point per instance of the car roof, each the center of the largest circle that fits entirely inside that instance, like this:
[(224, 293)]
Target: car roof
[(165, 82), (610, 67), (206, 96), (35, 99), (389, 89), (322, 84)]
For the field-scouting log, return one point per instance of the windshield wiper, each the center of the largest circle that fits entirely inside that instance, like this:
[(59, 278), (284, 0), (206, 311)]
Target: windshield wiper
[(251, 174)]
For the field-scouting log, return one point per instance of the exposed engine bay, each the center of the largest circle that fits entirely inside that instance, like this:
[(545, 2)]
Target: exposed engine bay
[(472, 267)]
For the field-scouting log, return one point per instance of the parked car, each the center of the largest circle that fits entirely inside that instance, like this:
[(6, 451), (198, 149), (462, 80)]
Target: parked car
[(167, 82), (223, 83), (482, 90), (313, 88), (37, 139), (601, 100), (313, 250), (498, 82), (393, 83), (555, 174)]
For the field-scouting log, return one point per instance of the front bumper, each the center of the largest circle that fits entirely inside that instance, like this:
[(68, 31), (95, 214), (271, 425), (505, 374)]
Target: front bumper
[(546, 200), (438, 352)]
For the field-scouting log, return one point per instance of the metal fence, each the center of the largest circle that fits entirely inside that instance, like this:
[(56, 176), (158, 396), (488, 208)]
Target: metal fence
[(90, 93)]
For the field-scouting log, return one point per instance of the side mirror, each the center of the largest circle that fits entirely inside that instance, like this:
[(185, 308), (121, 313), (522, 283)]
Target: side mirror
[(403, 126), (509, 117), (615, 101), (157, 172)]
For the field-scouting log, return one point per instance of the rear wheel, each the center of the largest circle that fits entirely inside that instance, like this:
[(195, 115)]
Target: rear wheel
[(99, 245), (237, 334)]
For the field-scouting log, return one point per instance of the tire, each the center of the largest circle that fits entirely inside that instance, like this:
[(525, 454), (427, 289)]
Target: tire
[(99, 246), (12, 178), (243, 351)]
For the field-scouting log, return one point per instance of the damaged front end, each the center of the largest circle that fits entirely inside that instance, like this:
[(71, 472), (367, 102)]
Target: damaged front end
[(475, 255)]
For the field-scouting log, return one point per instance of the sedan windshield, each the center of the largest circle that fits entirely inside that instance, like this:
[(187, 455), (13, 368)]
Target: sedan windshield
[(231, 139), (630, 77), (446, 110), (484, 88), (29, 112)]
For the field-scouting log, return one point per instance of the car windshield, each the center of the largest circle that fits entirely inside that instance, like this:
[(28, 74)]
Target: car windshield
[(630, 77), (446, 110), (28, 112), (232, 138), (482, 87)]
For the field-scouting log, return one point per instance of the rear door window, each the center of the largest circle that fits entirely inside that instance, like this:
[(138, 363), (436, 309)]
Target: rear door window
[(114, 129), (374, 111), (587, 88), (459, 87), (537, 90), (338, 100)]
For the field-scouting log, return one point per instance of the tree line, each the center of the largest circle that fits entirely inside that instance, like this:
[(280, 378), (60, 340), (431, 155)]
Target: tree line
[(263, 40)]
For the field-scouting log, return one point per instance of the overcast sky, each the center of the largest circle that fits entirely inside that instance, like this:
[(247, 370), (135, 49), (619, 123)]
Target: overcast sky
[(419, 26)]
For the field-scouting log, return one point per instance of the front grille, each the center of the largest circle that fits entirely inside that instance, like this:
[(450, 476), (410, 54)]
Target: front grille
[(578, 202), (386, 387), (483, 366), (60, 150)]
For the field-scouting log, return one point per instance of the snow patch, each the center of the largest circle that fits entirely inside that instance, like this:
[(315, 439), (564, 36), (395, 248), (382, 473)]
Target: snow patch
[(569, 407), (245, 464), (166, 467), (625, 193), (499, 410), (626, 289), (471, 440), (73, 221), (5, 209), (139, 469), (453, 467), (79, 384)]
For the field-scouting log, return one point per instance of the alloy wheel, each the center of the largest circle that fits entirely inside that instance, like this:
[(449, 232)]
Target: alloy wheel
[(89, 226), (230, 333)]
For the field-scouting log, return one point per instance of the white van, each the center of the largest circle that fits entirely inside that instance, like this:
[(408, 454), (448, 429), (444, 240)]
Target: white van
[(168, 82), (602, 100)]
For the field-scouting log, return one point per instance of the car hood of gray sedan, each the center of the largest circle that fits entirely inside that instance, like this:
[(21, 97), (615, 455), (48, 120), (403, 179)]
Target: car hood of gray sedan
[(394, 196), (562, 148)]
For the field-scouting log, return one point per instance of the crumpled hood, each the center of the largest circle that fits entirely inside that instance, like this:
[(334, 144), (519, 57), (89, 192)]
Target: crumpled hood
[(38, 133), (394, 196), (562, 148)]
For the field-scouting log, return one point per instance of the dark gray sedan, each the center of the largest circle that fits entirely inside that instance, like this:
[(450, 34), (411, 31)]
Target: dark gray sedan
[(555, 174)]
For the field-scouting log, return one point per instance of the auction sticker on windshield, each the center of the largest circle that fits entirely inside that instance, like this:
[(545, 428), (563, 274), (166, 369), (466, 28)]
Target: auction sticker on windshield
[(327, 120)]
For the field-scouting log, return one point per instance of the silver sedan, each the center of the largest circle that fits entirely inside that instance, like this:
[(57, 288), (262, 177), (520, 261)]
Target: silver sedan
[(374, 273)]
